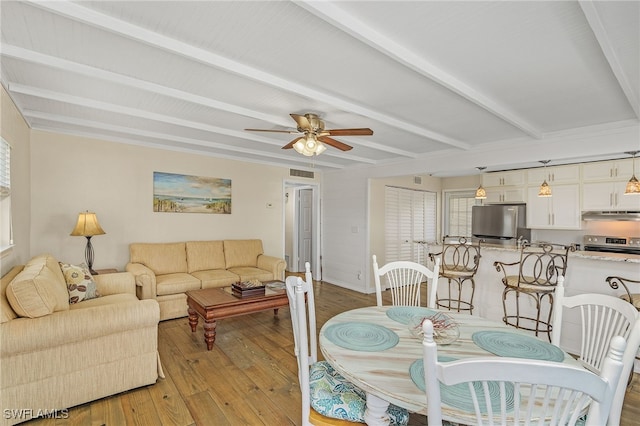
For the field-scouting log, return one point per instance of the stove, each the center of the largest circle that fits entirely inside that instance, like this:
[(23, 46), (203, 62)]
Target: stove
[(610, 244)]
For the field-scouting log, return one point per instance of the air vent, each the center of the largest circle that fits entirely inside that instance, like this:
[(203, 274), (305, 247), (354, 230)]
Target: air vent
[(417, 180), (301, 173)]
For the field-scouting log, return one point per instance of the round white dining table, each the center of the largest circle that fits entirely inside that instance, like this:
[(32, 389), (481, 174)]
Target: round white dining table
[(373, 348)]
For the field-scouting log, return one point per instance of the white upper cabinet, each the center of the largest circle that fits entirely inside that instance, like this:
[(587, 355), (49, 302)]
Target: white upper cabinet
[(509, 194), (555, 174), (510, 178), (608, 170), (560, 211), (608, 196)]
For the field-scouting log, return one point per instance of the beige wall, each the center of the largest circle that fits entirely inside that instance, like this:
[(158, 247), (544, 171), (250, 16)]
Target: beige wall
[(16, 132), (71, 174)]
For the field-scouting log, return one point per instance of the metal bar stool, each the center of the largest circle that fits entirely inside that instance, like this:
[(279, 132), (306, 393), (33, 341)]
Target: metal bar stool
[(633, 298), (540, 265), (459, 260)]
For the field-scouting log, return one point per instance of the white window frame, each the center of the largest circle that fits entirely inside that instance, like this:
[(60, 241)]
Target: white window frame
[(6, 231), (448, 196)]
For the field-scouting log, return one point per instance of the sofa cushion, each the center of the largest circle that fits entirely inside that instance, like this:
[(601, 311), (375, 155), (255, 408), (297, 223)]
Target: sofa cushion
[(216, 278), (59, 286), (110, 299), (176, 283), (247, 273), (242, 252), (80, 284), (204, 255), (32, 293), (161, 258)]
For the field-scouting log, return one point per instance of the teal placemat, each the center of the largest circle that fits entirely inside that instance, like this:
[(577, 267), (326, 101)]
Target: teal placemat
[(459, 396), (507, 344), (361, 336), (402, 314)]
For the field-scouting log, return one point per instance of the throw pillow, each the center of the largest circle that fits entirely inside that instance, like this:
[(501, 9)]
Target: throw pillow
[(80, 284)]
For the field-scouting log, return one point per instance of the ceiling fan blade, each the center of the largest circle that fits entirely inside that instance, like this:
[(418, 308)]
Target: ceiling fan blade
[(274, 131), (290, 144), (302, 121), (349, 132), (334, 143)]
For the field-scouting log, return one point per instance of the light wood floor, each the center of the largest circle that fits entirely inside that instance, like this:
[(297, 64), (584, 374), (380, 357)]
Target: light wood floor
[(249, 378)]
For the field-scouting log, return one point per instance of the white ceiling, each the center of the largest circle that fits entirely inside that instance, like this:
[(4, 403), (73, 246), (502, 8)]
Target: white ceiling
[(428, 77)]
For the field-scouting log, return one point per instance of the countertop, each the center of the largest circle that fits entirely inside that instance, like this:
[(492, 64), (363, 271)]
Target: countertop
[(595, 255)]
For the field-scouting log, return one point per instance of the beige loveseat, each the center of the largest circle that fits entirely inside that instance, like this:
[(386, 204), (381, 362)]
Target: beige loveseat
[(165, 271), (55, 355)]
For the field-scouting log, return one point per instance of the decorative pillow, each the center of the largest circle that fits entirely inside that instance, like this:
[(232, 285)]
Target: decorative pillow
[(333, 396), (79, 282)]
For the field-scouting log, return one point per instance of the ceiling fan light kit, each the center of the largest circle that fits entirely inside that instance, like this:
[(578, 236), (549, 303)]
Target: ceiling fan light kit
[(316, 137), (309, 146)]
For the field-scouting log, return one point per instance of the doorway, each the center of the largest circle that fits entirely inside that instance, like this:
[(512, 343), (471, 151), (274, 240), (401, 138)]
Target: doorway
[(302, 227)]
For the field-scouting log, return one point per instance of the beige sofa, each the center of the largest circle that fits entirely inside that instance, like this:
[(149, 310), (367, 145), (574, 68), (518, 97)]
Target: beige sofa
[(54, 355), (165, 271)]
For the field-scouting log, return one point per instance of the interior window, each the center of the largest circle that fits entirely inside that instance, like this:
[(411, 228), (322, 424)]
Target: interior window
[(457, 214), (6, 237)]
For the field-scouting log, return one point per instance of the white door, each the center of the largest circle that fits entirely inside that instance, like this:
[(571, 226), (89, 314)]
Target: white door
[(305, 227)]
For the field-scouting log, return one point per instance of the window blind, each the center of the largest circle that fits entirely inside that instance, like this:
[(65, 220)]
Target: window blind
[(458, 213), (5, 168), (410, 215)]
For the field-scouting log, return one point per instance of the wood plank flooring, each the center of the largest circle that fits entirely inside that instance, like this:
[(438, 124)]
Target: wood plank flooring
[(248, 378)]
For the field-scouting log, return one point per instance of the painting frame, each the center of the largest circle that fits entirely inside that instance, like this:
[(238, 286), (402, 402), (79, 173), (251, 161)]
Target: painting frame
[(181, 193)]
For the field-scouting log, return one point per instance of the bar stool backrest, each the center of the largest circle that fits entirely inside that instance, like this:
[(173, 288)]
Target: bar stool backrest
[(541, 263)]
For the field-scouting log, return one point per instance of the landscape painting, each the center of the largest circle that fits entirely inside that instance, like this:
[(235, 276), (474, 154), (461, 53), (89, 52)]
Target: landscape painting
[(175, 193)]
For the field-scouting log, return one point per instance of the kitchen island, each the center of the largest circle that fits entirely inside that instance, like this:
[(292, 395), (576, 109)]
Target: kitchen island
[(586, 273)]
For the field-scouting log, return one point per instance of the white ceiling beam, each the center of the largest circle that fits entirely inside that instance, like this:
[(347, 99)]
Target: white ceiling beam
[(594, 21), (33, 57), (91, 17), (353, 26), (200, 152), (133, 112)]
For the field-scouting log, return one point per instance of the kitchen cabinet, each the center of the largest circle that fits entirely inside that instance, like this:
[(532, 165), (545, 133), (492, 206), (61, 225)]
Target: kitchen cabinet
[(607, 170), (608, 196), (509, 178), (505, 195), (555, 174), (560, 211)]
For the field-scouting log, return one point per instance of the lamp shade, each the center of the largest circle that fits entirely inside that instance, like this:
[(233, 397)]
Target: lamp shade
[(481, 194), (87, 225), (633, 186)]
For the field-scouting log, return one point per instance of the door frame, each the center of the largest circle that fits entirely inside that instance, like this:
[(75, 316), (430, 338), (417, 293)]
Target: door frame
[(316, 260)]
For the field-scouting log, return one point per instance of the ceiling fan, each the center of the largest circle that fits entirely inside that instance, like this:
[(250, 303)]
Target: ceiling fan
[(315, 136)]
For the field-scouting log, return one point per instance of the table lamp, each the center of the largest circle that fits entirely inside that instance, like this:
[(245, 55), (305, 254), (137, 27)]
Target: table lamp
[(88, 226)]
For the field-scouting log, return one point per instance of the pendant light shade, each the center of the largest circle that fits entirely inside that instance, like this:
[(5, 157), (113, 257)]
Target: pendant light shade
[(633, 186), (545, 189), (481, 194)]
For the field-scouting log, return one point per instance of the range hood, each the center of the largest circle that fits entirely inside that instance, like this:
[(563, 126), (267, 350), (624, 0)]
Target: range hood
[(612, 215)]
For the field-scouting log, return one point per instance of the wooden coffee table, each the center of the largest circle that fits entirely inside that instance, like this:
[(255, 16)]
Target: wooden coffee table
[(213, 304)]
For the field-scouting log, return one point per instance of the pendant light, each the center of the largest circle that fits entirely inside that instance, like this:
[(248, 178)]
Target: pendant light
[(481, 194), (545, 189), (633, 186)]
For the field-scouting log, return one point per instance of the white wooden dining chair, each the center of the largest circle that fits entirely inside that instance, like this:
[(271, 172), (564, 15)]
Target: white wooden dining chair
[(509, 391), (404, 280), (602, 318), (327, 397)]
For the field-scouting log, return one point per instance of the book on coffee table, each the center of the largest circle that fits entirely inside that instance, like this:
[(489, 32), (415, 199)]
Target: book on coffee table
[(248, 288)]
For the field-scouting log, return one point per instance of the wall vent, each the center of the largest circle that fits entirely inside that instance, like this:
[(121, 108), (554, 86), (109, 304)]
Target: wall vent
[(417, 180), (301, 173)]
